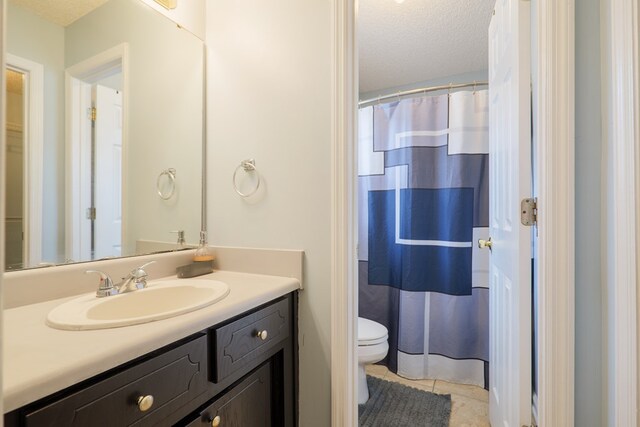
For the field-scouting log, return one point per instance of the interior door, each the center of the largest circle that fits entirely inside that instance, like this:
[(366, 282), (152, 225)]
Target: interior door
[(510, 182), (107, 228), (16, 251)]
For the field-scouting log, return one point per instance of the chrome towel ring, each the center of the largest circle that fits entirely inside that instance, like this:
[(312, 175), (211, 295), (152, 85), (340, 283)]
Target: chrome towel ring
[(167, 193), (248, 165)]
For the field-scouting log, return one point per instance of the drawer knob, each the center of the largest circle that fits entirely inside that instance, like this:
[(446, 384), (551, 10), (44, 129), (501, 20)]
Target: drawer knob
[(145, 402), (216, 421), (262, 335)]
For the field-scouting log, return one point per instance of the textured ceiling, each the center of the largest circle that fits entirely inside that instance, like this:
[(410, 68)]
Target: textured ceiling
[(14, 82), (61, 12), (421, 40)]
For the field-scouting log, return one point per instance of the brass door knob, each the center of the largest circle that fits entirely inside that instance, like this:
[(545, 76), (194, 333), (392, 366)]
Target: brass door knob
[(262, 335), (145, 402), (485, 243), (215, 422)]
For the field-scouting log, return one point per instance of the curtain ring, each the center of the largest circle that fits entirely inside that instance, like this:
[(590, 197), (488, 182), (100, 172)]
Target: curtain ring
[(248, 165), (171, 175), (474, 86)]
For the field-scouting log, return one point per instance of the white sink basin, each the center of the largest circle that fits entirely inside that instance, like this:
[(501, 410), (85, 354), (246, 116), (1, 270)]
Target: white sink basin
[(159, 300)]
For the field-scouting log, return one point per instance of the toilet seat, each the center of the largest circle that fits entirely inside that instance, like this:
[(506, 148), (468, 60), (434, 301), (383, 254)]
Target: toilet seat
[(372, 348), (370, 332)]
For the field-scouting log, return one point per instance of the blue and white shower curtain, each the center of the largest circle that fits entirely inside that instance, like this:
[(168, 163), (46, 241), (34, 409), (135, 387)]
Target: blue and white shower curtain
[(423, 188)]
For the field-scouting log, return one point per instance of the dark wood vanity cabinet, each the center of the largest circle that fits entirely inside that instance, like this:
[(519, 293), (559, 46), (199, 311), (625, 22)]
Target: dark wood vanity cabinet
[(237, 373), (248, 403)]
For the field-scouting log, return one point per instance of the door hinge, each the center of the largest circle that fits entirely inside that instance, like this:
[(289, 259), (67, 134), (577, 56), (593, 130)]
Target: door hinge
[(94, 114), (529, 211), (91, 213)]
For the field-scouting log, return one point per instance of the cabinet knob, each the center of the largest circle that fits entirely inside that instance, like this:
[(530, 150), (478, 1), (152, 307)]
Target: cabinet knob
[(215, 422), (145, 402), (262, 335)]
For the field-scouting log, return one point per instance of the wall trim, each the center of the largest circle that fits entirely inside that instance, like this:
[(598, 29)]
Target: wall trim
[(344, 279), (620, 89), (33, 136), (3, 98), (554, 126)]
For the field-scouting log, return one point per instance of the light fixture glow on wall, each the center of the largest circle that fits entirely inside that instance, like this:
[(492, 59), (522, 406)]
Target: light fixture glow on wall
[(169, 4)]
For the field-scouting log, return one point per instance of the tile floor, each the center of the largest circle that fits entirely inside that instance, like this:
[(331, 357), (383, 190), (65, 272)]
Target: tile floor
[(469, 404)]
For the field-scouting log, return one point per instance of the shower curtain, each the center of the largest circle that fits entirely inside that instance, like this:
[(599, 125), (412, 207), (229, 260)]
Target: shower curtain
[(423, 189)]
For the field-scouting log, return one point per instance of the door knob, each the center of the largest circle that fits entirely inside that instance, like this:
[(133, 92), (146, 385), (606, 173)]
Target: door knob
[(262, 334), (485, 243), (215, 422)]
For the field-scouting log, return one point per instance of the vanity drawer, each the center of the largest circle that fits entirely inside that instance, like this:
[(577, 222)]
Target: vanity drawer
[(246, 404), (172, 378), (239, 343)]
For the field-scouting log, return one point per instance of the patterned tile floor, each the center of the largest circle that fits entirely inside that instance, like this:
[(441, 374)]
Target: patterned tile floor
[(470, 404)]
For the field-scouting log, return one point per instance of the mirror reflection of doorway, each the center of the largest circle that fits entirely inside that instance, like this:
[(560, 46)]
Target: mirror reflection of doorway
[(96, 89), (106, 171), (14, 196)]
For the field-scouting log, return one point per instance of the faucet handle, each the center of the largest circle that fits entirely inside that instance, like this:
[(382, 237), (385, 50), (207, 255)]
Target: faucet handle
[(139, 271), (139, 275), (106, 287)]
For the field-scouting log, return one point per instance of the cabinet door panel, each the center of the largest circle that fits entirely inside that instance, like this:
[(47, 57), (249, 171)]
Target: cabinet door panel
[(173, 379), (241, 342), (247, 404)]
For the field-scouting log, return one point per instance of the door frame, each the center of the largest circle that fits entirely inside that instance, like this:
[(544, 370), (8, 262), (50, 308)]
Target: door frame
[(77, 189), (33, 139), (3, 100), (553, 58), (622, 194)]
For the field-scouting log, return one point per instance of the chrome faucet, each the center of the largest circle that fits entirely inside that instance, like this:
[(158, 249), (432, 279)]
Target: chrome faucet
[(136, 279), (105, 288)]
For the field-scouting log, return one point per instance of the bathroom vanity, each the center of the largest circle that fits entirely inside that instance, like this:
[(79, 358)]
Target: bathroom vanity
[(232, 363)]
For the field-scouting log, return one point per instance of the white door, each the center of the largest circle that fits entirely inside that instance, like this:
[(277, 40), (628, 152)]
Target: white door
[(107, 228), (510, 181)]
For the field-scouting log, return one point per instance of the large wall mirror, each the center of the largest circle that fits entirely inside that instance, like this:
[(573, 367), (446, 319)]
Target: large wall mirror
[(104, 131)]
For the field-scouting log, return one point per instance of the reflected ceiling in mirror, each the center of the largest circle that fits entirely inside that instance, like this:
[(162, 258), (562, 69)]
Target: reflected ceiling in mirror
[(111, 101)]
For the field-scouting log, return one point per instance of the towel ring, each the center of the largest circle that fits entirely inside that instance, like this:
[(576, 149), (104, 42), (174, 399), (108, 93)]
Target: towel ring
[(248, 165), (171, 175)]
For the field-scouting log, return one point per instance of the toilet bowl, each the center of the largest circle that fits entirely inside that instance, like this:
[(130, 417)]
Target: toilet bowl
[(372, 348)]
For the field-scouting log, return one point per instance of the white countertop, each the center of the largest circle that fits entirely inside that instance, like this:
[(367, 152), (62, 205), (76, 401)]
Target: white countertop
[(39, 360)]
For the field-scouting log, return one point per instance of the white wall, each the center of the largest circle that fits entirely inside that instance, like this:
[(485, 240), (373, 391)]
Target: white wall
[(269, 87), (33, 38), (165, 114)]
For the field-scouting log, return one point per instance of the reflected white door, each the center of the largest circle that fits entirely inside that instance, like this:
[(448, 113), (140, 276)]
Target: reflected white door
[(107, 229), (510, 181)]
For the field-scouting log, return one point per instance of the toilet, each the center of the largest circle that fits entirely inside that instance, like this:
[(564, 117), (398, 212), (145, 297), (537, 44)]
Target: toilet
[(372, 348)]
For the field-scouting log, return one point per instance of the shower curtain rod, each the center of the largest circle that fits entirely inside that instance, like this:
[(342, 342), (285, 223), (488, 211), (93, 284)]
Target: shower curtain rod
[(420, 90)]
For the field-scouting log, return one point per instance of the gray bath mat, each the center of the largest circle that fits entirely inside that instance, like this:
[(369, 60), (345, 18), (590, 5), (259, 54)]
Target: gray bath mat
[(395, 405)]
